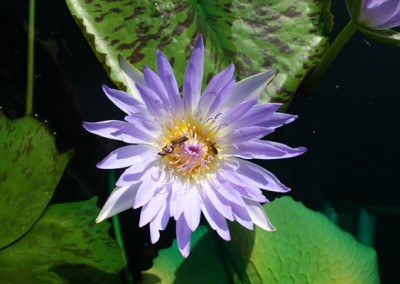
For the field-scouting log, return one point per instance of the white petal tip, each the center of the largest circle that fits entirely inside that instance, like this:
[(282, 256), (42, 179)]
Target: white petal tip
[(100, 219)]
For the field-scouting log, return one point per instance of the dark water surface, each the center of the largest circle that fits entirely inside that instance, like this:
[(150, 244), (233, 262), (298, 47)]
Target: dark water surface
[(349, 126)]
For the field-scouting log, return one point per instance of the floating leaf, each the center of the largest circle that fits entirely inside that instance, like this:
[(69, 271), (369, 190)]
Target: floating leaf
[(306, 248), (254, 35), (204, 264), (64, 246), (30, 169)]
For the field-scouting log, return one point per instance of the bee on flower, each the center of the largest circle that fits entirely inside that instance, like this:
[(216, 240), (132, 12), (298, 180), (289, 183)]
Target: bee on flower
[(205, 140)]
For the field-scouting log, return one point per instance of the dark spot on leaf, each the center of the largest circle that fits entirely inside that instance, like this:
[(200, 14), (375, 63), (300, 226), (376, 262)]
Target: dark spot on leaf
[(291, 12), (3, 177), (117, 28), (312, 31), (114, 42), (295, 39), (114, 10), (129, 3), (136, 13)]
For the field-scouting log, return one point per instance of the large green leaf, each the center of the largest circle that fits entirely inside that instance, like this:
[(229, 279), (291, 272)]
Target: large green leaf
[(255, 35), (64, 246), (306, 248), (204, 264), (30, 169)]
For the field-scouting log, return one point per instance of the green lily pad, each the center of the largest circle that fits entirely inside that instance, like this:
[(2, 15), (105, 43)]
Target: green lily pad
[(306, 248), (254, 35), (204, 264), (64, 246), (30, 169)]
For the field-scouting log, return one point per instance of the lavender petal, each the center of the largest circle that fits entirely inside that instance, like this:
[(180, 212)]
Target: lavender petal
[(124, 157), (250, 87), (121, 199), (166, 74), (183, 235), (132, 76), (258, 215), (125, 102)]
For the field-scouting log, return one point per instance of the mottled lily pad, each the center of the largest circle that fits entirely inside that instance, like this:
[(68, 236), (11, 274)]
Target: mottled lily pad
[(64, 246), (30, 169), (306, 248), (254, 35)]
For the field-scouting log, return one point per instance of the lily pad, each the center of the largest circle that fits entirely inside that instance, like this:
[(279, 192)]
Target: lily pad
[(254, 35), (30, 169), (204, 264), (64, 246), (306, 248)]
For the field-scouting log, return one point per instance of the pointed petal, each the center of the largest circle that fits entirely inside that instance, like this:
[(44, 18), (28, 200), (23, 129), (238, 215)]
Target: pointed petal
[(260, 177), (132, 76), (222, 98), (121, 199), (220, 80), (134, 135), (143, 124), (135, 172), (105, 128), (226, 190), (192, 210), (154, 83), (250, 87), (242, 216), (159, 223), (249, 191), (190, 98), (246, 134), (146, 189), (220, 203), (214, 218), (254, 117), (258, 215), (177, 200), (150, 210), (183, 235), (152, 101), (166, 74), (125, 156), (194, 76), (237, 111), (266, 150), (124, 101)]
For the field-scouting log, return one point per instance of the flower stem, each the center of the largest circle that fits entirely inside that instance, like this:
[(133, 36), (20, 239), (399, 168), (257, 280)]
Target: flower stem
[(328, 57), (30, 69), (117, 232)]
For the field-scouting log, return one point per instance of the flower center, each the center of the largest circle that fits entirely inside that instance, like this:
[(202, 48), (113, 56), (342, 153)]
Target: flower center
[(188, 148)]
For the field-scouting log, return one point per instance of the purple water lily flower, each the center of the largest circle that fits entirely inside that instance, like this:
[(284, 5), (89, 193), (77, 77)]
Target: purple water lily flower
[(375, 14), (188, 156)]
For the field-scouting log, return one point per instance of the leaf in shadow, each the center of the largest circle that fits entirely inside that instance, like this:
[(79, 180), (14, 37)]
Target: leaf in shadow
[(30, 169), (65, 237)]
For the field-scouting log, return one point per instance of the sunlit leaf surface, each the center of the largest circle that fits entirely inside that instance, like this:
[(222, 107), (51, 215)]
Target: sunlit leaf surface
[(255, 35), (306, 248), (64, 246), (30, 169)]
